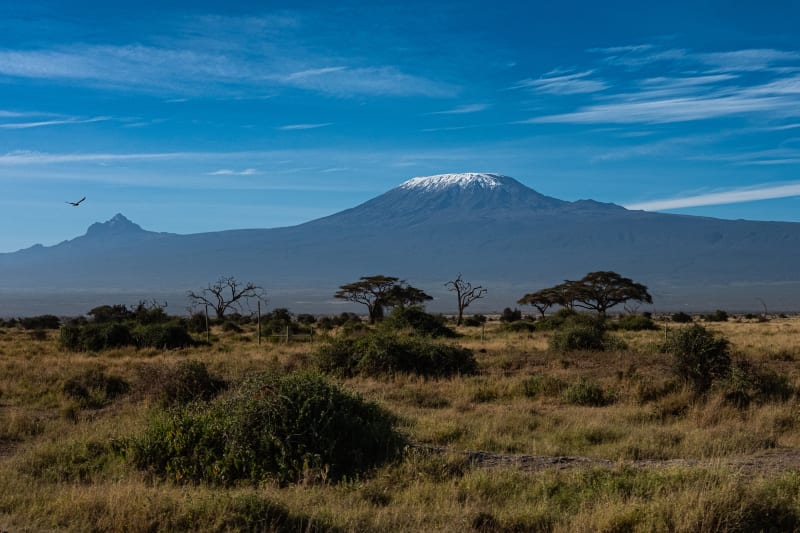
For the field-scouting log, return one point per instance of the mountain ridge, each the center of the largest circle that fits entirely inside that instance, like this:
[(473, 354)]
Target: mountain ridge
[(494, 229)]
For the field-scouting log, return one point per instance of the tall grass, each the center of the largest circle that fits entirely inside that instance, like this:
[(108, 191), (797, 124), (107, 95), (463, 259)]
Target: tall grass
[(681, 461)]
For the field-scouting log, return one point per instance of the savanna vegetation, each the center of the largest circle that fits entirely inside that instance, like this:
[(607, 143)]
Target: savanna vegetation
[(563, 422)]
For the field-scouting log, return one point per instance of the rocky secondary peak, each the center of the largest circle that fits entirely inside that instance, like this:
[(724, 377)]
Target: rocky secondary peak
[(465, 180), (116, 225)]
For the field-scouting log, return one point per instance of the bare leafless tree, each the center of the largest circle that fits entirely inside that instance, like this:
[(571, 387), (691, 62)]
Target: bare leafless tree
[(227, 293), (466, 294)]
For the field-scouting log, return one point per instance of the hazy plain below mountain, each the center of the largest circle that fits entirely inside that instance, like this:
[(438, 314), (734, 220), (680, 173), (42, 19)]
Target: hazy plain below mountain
[(493, 229)]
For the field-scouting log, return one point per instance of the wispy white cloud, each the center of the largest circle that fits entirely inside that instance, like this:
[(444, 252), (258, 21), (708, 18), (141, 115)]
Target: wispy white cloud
[(688, 99), (291, 127), (229, 172), (382, 80), (450, 128), (220, 56), (44, 123), (22, 157), (303, 74), (463, 109), (747, 60), (638, 56), (733, 196), (576, 83)]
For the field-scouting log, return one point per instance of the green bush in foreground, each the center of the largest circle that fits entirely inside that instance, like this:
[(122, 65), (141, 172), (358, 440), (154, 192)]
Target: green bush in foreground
[(384, 354), (285, 428), (579, 332), (699, 356)]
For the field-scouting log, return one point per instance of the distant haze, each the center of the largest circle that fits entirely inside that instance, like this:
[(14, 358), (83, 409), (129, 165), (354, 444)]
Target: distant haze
[(491, 228)]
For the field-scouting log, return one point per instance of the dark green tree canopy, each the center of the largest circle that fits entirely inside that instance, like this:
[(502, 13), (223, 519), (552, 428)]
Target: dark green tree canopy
[(378, 292), (598, 291), (543, 299), (602, 290)]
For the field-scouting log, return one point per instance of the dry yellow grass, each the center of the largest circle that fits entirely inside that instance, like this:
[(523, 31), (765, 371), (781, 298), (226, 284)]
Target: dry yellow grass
[(50, 481)]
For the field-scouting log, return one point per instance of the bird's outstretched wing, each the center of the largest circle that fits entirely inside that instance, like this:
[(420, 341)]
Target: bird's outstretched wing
[(78, 202)]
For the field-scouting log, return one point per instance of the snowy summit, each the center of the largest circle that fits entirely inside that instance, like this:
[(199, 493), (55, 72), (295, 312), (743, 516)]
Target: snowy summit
[(446, 181)]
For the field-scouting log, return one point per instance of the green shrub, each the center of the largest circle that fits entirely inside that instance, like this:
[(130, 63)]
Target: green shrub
[(699, 356), (556, 320), (474, 321), (746, 383), (717, 316), (167, 336), (579, 332), (510, 315), (40, 322), (415, 318), (93, 388), (273, 427), (633, 323), (382, 353), (94, 337), (681, 318), (110, 313), (585, 392), (196, 323)]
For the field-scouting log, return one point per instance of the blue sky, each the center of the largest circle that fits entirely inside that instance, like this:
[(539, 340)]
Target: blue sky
[(203, 116)]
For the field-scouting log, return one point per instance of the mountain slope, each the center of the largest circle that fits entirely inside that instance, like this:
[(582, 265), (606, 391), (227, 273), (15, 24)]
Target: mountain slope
[(492, 228)]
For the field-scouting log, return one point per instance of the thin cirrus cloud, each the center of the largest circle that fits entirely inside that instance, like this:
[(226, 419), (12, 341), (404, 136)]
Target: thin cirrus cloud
[(561, 83), (45, 123), (189, 71), (674, 110), (463, 109), (295, 127), (735, 196), (229, 172), (719, 88)]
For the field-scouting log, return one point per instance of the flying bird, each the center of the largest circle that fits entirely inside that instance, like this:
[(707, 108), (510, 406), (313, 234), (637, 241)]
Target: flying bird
[(78, 202)]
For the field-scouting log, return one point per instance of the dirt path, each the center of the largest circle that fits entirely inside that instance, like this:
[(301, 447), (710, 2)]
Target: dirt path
[(772, 461)]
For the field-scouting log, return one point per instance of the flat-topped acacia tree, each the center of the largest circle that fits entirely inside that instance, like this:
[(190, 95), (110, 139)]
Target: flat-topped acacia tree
[(602, 290), (379, 292), (598, 291)]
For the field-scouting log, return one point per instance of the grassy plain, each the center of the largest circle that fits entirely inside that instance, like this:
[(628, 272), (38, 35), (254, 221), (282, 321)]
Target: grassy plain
[(647, 454)]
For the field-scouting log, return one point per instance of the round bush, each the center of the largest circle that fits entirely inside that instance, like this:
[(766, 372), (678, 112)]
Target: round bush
[(382, 354), (273, 427), (167, 336), (681, 318), (699, 356), (576, 338), (415, 318)]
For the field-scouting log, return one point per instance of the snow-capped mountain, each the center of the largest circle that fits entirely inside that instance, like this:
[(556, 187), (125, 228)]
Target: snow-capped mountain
[(467, 180), (492, 228)]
